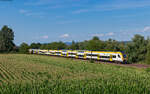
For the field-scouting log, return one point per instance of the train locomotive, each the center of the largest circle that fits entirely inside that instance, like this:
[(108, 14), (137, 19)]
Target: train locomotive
[(84, 54)]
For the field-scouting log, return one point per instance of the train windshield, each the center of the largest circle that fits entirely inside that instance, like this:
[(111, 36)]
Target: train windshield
[(125, 56)]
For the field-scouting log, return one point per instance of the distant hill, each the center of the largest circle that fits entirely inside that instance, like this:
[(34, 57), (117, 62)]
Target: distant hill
[(125, 42), (68, 43)]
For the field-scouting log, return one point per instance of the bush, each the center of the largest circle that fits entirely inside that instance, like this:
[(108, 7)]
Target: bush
[(91, 61), (24, 48), (147, 70)]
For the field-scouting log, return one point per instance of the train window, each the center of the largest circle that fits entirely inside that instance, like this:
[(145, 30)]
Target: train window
[(80, 55), (81, 51), (104, 56), (91, 55), (88, 54), (72, 53), (94, 55), (114, 56), (119, 56)]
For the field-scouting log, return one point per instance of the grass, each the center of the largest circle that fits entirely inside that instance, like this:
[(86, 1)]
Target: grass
[(35, 74)]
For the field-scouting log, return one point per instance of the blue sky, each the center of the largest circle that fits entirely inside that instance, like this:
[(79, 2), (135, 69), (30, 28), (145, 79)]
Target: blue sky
[(66, 20)]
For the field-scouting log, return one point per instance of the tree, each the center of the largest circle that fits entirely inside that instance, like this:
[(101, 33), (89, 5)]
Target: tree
[(54, 45), (74, 46), (6, 39), (83, 45), (95, 38), (35, 45), (148, 56), (44, 46), (137, 49), (58, 45), (95, 44), (148, 52), (24, 48), (112, 45)]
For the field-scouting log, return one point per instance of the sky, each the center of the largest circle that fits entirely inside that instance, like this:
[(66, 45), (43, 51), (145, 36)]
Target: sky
[(47, 21)]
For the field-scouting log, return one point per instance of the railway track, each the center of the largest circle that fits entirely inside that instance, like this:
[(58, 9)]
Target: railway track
[(124, 65)]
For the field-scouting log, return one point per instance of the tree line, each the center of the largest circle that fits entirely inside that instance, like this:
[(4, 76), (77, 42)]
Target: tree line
[(137, 50)]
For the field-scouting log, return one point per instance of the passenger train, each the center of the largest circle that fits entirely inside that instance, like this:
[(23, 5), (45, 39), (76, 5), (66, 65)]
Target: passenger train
[(84, 54)]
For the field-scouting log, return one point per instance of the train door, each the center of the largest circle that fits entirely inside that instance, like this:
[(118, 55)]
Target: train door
[(111, 57), (98, 57), (67, 53), (84, 55), (76, 56)]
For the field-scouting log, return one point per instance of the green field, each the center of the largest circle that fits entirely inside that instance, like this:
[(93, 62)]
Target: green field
[(35, 74)]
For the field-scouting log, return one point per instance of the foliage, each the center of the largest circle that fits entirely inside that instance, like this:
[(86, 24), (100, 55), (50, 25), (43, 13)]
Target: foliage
[(6, 39), (57, 45), (24, 48), (73, 46), (137, 49), (54, 45), (148, 54), (147, 69), (35, 45), (112, 45), (95, 44)]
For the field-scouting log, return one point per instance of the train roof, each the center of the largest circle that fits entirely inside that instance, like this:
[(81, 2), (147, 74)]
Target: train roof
[(81, 50)]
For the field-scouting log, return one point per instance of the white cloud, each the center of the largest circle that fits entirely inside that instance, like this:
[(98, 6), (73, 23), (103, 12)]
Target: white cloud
[(110, 34), (64, 36), (44, 37), (102, 35), (116, 5), (98, 35), (30, 13), (147, 28)]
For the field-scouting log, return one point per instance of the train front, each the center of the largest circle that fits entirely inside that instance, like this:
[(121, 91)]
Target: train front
[(125, 58)]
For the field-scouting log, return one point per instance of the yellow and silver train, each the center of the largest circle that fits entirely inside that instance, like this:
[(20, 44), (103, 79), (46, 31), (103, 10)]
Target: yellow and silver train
[(84, 54)]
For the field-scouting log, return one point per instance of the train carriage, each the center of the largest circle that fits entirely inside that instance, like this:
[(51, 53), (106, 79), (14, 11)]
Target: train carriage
[(52, 52), (44, 52), (84, 54), (58, 52), (64, 53), (81, 54), (72, 53)]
